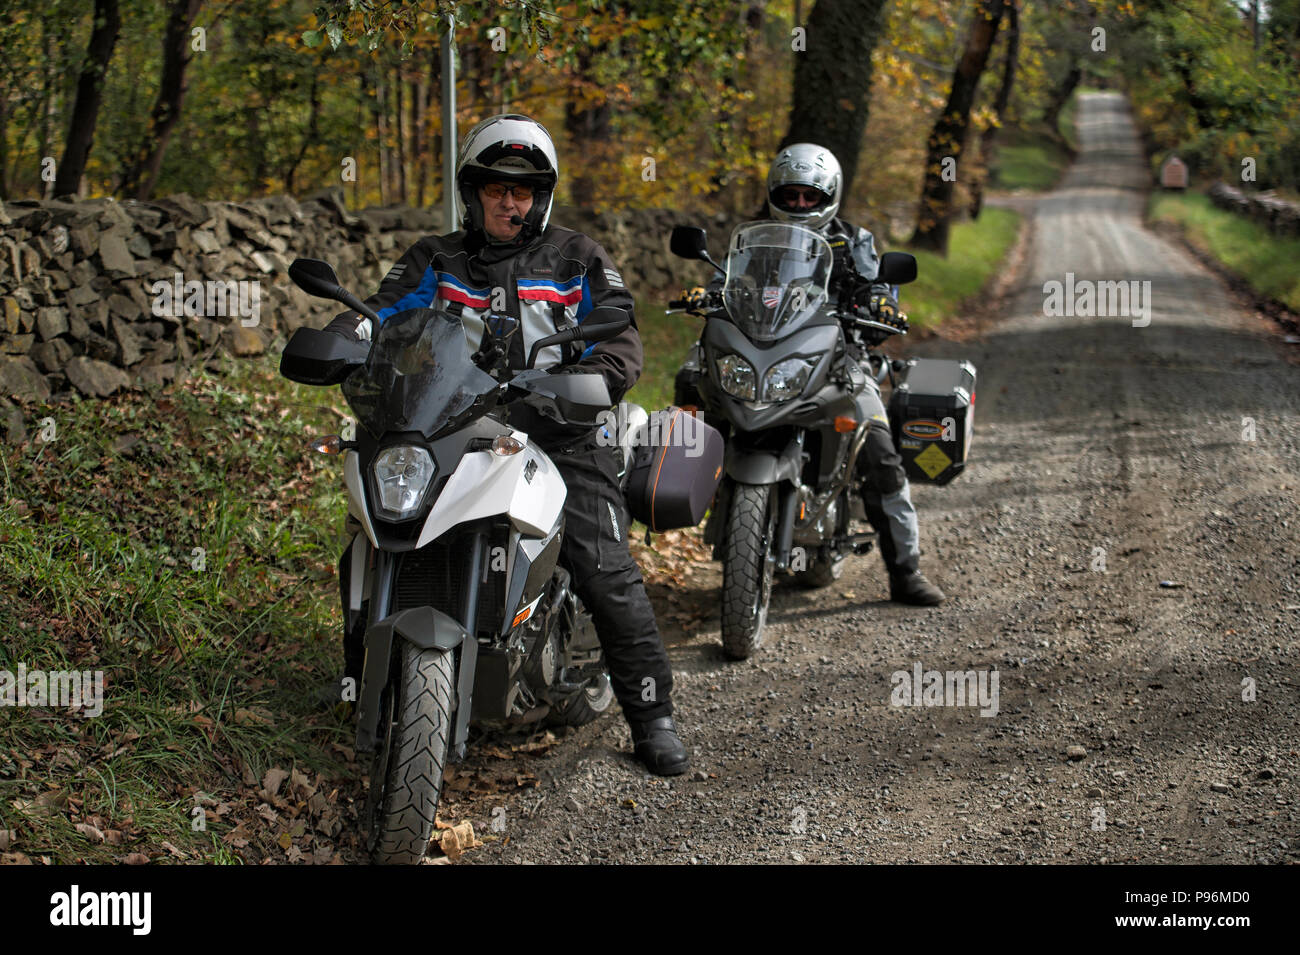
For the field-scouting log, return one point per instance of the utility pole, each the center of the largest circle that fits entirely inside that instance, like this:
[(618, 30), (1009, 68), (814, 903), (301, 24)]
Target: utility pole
[(449, 126)]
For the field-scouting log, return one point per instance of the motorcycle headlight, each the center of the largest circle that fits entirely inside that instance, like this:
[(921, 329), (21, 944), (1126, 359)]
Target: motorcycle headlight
[(736, 377), (402, 475), (787, 379)]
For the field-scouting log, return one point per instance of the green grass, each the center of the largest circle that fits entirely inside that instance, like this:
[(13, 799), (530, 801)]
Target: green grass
[(1026, 159), (1265, 261), (975, 251), (1031, 157), (194, 569), (665, 340)]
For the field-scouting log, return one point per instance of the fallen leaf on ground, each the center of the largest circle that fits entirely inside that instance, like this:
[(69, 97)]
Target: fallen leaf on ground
[(273, 779), (90, 832), (458, 838)]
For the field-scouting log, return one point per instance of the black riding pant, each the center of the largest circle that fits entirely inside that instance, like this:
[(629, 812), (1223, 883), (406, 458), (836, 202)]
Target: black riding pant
[(595, 552)]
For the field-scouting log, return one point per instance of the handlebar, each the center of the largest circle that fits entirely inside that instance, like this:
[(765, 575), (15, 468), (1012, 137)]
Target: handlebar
[(879, 326), (712, 300)]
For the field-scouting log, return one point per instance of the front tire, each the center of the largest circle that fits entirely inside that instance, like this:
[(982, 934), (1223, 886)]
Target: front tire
[(406, 776), (747, 568)]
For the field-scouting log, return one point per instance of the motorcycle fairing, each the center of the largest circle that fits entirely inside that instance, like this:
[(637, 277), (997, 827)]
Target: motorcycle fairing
[(525, 486)]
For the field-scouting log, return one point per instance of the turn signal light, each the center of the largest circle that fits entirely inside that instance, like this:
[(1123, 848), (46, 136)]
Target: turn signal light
[(845, 425), (328, 444), (505, 445)]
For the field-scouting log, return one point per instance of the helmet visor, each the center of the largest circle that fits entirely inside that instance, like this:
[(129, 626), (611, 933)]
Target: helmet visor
[(798, 198)]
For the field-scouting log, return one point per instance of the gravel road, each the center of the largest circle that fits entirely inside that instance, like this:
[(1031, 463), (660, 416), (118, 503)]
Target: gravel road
[(1122, 552)]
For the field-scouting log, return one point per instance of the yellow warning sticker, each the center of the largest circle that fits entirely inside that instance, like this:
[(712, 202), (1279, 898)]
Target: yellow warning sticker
[(933, 461)]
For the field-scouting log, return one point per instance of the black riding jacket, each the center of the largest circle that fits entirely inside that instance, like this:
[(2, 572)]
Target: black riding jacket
[(548, 283)]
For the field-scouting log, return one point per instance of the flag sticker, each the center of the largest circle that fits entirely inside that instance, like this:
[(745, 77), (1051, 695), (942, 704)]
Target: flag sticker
[(613, 278)]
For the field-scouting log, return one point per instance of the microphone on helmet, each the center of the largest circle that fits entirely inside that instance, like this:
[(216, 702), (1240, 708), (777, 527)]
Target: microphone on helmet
[(516, 219)]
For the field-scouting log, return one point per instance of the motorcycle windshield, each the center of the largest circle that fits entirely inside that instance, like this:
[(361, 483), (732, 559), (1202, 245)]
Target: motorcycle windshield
[(777, 276), (419, 375)]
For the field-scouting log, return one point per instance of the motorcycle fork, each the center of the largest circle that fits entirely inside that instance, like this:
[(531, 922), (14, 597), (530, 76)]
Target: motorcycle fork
[(467, 654), (787, 505), (377, 668)]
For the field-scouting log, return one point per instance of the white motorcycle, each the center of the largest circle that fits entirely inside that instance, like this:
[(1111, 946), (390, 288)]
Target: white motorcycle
[(454, 572)]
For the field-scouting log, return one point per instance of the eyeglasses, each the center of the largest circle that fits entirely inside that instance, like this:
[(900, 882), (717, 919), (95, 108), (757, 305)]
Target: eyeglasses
[(498, 190), (800, 196)]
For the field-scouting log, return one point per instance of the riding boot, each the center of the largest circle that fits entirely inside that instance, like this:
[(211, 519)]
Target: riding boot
[(894, 519)]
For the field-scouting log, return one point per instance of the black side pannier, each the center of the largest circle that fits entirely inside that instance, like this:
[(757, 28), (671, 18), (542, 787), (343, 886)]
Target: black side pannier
[(676, 466), (932, 414)]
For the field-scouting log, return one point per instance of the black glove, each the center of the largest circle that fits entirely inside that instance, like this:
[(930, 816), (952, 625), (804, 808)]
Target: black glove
[(694, 297), (883, 308)]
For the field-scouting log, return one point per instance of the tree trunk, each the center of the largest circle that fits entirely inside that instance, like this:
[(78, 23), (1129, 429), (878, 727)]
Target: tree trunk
[(141, 175), (313, 130), (948, 138), (4, 148), (380, 106), (999, 107), (832, 79), (399, 122), (419, 136), (588, 125), (48, 79), (1061, 96), (90, 94)]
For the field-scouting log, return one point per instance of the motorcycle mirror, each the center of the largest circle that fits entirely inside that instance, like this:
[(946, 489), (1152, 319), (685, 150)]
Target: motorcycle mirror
[(688, 241), (691, 242), (317, 278), (897, 268), (314, 277)]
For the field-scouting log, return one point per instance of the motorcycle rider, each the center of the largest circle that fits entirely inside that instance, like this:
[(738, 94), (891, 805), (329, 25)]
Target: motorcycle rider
[(509, 259), (803, 187)]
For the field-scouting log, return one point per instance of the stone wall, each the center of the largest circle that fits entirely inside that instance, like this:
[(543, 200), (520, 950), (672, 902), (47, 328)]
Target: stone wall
[(80, 308), (1280, 217)]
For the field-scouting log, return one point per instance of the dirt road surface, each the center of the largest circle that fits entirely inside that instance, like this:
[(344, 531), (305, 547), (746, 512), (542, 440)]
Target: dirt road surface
[(1124, 553)]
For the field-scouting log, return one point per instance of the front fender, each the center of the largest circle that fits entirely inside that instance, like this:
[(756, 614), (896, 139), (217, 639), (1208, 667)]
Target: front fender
[(763, 467), (428, 629)]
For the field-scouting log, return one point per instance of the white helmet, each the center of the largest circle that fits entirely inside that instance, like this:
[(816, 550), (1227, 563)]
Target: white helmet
[(509, 147), (805, 164)]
